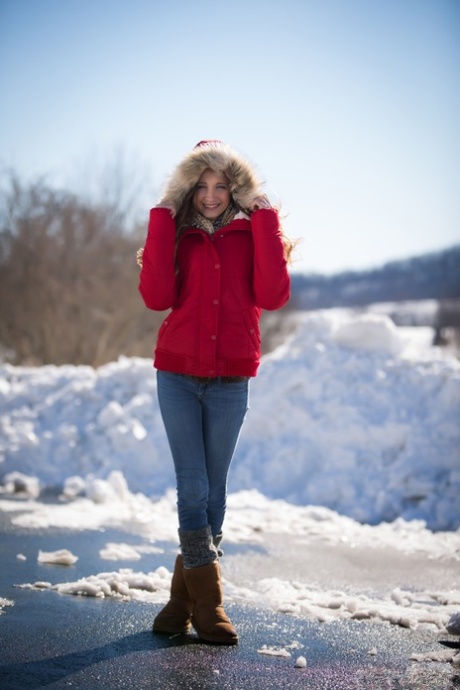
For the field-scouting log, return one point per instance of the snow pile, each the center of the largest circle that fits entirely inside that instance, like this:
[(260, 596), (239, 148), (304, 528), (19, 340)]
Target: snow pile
[(350, 414), (124, 584), (403, 608), (369, 332), (340, 420), (119, 508), (62, 421)]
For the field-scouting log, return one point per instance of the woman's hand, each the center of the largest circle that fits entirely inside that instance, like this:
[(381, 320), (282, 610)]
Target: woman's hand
[(170, 208), (261, 202)]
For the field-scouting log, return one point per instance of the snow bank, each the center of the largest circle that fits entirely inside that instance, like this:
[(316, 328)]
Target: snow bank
[(250, 517), (343, 417), (348, 414), (120, 508)]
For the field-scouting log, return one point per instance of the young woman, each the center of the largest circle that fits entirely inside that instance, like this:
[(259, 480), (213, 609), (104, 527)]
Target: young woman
[(216, 256)]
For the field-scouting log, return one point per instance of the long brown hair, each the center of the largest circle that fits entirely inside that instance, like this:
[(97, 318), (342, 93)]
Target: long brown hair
[(184, 214)]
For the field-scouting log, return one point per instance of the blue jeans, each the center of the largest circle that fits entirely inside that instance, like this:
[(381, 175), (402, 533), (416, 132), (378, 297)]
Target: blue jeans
[(202, 423)]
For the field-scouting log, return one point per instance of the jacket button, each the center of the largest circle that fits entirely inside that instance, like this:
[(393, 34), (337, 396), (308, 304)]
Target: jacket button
[(216, 301), (217, 266), (213, 337)]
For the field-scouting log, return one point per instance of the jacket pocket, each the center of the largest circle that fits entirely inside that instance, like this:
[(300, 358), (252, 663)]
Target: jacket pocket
[(164, 330), (252, 326)]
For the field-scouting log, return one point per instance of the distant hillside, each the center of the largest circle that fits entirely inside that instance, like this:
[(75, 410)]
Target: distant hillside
[(430, 276)]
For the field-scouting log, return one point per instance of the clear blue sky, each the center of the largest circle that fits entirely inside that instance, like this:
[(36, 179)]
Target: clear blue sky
[(349, 108)]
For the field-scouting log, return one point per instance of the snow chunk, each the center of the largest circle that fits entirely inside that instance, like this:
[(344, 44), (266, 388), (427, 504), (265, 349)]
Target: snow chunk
[(60, 557), (274, 651), (73, 487), (441, 655), (370, 332), (19, 483), (124, 584), (453, 624), (5, 602)]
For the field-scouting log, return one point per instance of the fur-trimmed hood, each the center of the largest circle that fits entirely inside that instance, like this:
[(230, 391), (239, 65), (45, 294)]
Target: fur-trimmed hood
[(245, 186)]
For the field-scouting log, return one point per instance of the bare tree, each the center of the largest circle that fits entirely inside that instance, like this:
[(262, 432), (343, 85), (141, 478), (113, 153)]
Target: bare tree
[(68, 279)]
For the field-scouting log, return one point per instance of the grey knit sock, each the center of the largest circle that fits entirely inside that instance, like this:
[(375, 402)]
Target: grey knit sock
[(197, 547), (216, 541)]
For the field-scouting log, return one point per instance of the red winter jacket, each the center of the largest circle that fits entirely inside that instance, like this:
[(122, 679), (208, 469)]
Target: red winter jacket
[(216, 296)]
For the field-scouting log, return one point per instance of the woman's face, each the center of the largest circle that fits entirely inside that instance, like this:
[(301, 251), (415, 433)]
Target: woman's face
[(212, 195)]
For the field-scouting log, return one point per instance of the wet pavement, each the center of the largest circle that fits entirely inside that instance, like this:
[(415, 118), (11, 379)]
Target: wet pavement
[(48, 640)]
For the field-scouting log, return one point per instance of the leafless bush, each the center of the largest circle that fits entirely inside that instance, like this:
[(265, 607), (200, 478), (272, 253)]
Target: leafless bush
[(68, 279)]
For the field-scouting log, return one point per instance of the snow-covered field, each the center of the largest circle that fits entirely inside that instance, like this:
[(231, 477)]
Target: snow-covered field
[(351, 413), (353, 437)]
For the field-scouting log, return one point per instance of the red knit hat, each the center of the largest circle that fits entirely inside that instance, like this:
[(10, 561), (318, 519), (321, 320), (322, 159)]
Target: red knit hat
[(208, 141)]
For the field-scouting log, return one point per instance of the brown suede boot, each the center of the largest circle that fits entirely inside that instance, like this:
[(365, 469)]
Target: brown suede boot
[(208, 617), (175, 616)]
